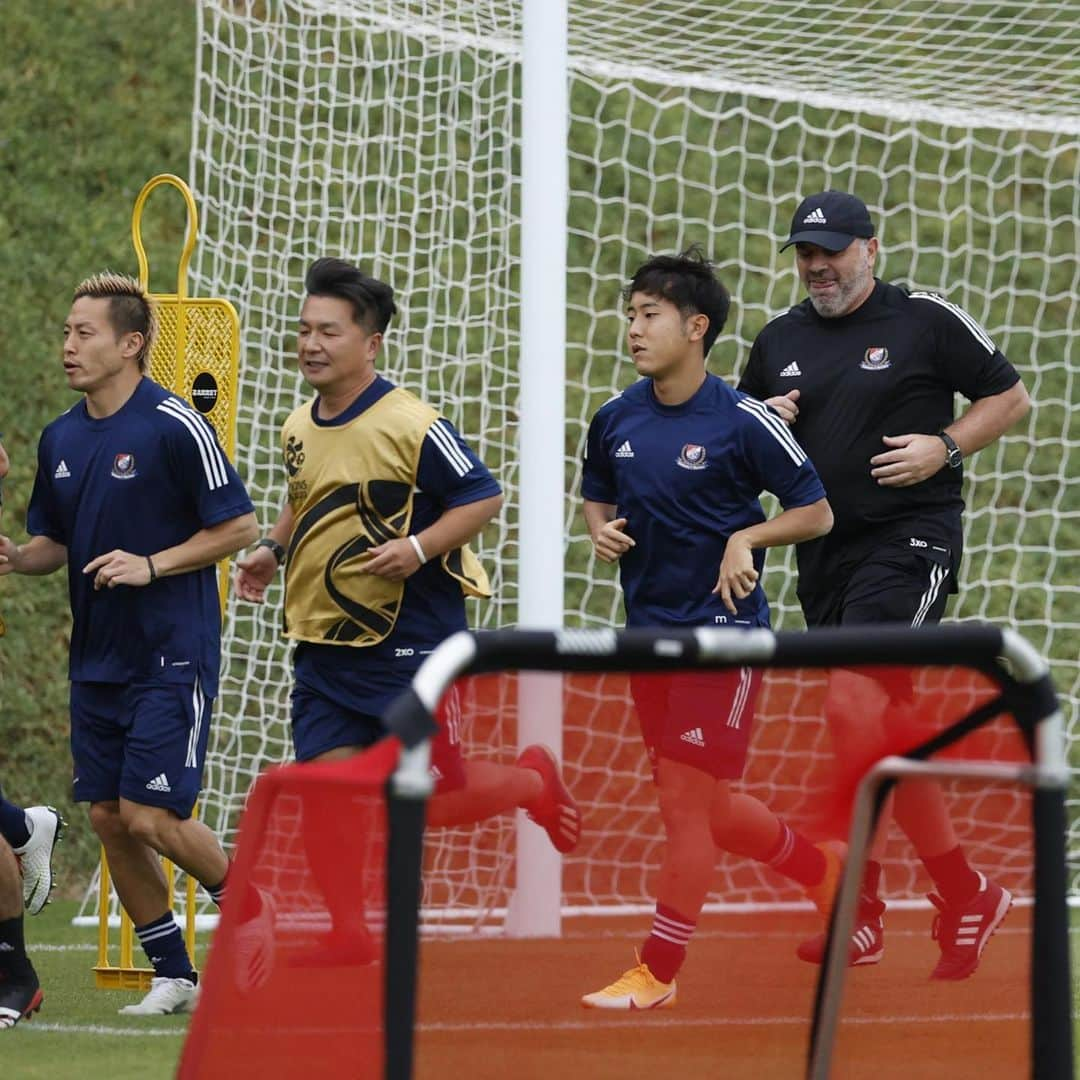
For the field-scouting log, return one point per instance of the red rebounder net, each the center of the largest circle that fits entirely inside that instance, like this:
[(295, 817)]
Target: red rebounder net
[(294, 983), (297, 982)]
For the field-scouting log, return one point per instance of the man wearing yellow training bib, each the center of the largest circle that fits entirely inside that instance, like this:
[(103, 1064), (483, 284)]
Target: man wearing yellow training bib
[(383, 497)]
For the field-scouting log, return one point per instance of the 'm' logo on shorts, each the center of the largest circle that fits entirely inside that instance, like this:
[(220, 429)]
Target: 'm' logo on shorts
[(695, 736), (159, 783)]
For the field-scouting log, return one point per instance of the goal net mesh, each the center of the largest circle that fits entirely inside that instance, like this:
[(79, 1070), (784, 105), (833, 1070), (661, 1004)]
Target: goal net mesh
[(388, 132)]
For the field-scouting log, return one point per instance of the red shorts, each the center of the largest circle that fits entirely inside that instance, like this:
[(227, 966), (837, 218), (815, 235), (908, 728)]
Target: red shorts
[(699, 718)]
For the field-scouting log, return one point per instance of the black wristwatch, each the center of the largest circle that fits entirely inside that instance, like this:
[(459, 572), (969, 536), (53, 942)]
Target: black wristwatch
[(274, 546), (953, 456)]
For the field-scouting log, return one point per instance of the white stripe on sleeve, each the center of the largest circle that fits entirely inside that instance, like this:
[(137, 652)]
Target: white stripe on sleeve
[(447, 444), (775, 426), (212, 458), (977, 332)]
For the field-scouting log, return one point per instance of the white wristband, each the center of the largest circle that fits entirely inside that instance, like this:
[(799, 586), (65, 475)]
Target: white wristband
[(418, 549)]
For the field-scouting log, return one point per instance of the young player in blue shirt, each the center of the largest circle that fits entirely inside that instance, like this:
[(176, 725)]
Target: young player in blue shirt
[(673, 470), (135, 496)]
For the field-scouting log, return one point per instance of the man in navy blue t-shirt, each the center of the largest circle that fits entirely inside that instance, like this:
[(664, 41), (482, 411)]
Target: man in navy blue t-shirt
[(135, 496), (673, 470)]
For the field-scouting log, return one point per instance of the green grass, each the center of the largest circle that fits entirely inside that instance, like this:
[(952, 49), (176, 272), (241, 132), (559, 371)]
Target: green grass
[(78, 1032)]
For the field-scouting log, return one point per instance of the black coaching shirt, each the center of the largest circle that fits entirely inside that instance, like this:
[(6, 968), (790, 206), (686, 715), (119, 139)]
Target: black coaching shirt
[(891, 367)]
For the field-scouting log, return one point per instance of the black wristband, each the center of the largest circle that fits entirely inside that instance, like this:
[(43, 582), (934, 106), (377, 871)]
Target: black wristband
[(274, 546), (153, 572)]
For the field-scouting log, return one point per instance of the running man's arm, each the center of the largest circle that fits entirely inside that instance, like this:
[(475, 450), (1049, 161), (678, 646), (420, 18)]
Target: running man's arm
[(911, 459), (255, 572), (451, 474), (39, 555), (609, 539), (204, 548), (737, 574)]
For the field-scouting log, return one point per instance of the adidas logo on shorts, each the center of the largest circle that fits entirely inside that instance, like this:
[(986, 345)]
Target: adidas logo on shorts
[(791, 369), (159, 783), (695, 736)]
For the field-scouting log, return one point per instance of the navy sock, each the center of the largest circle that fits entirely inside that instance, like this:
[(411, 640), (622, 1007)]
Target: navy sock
[(164, 947), (14, 963), (13, 827)]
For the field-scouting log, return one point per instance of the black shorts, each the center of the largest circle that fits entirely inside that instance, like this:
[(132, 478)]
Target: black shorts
[(902, 581)]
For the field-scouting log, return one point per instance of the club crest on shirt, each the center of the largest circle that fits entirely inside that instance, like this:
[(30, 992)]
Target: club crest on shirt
[(876, 358), (691, 456), (123, 467)]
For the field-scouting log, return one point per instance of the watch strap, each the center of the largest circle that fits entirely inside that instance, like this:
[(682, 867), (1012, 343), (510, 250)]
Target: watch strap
[(274, 546), (953, 455)]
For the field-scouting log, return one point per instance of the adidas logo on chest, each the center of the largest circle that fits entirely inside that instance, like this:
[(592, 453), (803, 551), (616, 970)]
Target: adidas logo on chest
[(791, 369), (625, 451), (62, 471)]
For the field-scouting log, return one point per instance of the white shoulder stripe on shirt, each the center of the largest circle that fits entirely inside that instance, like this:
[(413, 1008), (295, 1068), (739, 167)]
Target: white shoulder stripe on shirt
[(449, 447), (779, 430), (212, 458), (977, 332)]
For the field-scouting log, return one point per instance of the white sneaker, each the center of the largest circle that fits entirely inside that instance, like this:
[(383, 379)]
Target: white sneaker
[(166, 997), (35, 856)]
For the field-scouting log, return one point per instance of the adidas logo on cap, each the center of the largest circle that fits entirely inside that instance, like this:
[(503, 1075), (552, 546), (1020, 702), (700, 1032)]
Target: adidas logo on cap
[(159, 783), (815, 217), (695, 736)]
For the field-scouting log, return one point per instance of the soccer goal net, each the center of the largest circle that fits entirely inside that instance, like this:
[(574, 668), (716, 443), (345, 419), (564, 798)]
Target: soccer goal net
[(389, 132)]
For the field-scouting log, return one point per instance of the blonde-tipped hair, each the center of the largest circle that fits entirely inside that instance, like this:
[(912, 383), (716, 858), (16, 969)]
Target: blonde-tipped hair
[(131, 310)]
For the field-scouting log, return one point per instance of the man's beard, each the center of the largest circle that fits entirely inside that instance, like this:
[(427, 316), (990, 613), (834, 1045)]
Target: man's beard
[(834, 306)]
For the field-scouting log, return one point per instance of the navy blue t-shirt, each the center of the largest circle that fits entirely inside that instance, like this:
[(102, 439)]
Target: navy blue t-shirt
[(144, 479), (686, 477), (368, 679)]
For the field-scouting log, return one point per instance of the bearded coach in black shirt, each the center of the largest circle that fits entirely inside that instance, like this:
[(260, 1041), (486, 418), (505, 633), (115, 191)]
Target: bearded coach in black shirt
[(865, 374)]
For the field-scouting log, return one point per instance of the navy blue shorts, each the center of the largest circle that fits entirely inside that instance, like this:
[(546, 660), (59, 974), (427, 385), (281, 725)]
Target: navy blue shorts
[(699, 718), (320, 725), (145, 742)]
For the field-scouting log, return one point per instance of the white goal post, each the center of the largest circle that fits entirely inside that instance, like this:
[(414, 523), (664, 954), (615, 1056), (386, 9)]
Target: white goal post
[(395, 132)]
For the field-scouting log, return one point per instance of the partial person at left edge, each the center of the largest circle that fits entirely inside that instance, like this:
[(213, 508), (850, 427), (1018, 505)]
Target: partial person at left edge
[(134, 494), (32, 831)]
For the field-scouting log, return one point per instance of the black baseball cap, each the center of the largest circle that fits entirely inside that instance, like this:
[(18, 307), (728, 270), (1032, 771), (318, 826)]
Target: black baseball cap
[(831, 219)]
